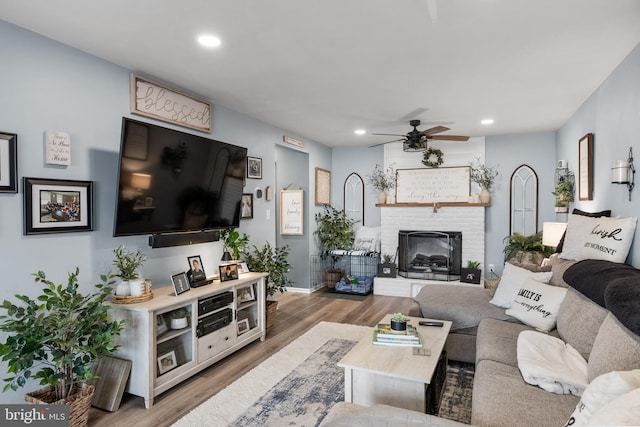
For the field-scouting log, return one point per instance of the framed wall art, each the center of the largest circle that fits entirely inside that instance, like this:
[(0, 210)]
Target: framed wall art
[(246, 210), (57, 206), (585, 167), (161, 102), (8, 162), (292, 212), (254, 167), (323, 187)]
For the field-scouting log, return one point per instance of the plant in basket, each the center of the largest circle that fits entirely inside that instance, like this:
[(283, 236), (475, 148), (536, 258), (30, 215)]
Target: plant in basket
[(55, 338)]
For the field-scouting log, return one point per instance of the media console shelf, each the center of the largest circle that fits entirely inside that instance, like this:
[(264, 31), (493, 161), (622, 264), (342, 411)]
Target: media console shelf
[(222, 318)]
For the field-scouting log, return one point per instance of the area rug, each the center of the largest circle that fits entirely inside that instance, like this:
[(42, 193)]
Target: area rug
[(298, 385)]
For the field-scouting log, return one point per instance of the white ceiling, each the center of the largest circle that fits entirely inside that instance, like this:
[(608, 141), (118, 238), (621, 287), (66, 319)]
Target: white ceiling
[(322, 68)]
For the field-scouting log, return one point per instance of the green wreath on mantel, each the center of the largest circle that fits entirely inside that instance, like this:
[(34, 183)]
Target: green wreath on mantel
[(429, 159)]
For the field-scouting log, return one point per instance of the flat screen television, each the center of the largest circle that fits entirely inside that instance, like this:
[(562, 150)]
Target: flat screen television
[(173, 182)]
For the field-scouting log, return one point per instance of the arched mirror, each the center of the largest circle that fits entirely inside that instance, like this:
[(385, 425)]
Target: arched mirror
[(354, 197), (524, 201)]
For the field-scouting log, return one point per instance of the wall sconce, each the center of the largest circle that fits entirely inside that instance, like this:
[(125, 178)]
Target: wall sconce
[(623, 172)]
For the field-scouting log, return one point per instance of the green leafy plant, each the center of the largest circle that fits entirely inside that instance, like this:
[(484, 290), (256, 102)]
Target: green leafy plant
[(234, 242), (387, 259), (564, 189), (398, 317), (335, 231), (179, 313), (272, 261), (483, 175), (56, 337), (381, 180), (473, 264), (516, 245), (127, 262)]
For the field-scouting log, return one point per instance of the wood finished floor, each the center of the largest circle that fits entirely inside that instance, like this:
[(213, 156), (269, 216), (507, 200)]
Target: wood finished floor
[(297, 313)]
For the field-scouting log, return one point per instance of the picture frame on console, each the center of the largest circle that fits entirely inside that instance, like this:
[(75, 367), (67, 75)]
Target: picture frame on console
[(57, 206), (196, 269), (167, 362), (228, 272), (180, 283), (243, 326)]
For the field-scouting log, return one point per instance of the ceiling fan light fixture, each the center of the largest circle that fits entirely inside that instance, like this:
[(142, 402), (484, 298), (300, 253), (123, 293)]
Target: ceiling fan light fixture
[(410, 147)]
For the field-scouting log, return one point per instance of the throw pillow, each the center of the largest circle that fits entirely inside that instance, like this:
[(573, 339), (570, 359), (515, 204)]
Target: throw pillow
[(558, 267), (512, 279), (601, 391), (583, 213), (537, 304), (610, 240), (624, 410), (367, 239), (578, 229)]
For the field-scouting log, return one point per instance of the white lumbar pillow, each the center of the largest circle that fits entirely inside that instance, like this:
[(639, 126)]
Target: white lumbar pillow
[(601, 391), (578, 229), (537, 304), (511, 281), (609, 239)]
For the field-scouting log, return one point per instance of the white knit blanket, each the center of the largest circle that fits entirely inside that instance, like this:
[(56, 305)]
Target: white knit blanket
[(551, 364)]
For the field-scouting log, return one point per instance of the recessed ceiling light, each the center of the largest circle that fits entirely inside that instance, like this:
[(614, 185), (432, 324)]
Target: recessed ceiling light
[(209, 40), (360, 131), (487, 122)]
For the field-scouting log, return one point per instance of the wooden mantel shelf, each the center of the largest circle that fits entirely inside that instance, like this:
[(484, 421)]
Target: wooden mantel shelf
[(424, 205)]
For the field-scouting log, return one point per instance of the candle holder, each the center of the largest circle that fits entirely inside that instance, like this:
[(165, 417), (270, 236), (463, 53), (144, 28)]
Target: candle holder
[(623, 172)]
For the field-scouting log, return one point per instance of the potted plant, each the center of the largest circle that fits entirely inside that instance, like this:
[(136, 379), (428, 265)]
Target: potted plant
[(234, 242), (276, 263), (387, 268), (484, 176), (335, 231), (526, 249), (179, 318), (564, 192), (472, 273), (55, 338), (398, 322), (382, 181), (127, 262)]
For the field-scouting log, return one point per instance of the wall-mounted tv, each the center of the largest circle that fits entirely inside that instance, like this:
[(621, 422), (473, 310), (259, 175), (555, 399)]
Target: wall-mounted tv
[(171, 181)]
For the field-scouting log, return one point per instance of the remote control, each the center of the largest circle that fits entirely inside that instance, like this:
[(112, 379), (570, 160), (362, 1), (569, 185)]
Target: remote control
[(425, 323)]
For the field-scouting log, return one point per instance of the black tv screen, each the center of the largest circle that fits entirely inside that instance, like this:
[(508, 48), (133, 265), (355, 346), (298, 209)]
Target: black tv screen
[(171, 181)]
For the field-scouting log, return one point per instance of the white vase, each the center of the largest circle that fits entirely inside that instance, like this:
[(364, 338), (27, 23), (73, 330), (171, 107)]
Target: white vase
[(382, 197), (180, 323), (136, 287), (123, 289), (485, 196)]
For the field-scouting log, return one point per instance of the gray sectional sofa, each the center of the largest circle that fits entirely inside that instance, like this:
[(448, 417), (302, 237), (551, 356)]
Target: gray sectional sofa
[(599, 317)]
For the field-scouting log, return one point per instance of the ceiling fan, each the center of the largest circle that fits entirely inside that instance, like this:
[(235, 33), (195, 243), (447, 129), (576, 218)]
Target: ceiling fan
[(416, 140)]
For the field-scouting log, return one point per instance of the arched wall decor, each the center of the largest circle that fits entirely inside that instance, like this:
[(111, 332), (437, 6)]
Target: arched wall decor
[(354, 197), (523, 209)]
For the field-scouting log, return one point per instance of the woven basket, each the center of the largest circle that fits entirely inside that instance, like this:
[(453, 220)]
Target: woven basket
[(79, 402), (126, 299), (272, 306)]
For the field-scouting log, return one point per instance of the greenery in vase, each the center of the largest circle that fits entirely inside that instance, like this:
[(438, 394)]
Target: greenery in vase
[(483, 175), (127, 262), (180, 313), (473, 264), (398, 317), (565, 188), (381, 180), (387, 259), (516, 245), (272, 261), (56, 337), (234, 242)]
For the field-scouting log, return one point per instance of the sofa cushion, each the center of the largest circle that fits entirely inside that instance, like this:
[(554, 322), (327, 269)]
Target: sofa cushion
[(614, 349), (501, 398), (558, 268), (511, 281), (537, 304), (465, 306), (497, 340), (592, 276), (601, 391), (610, 239), (624, 410), (579, 320)]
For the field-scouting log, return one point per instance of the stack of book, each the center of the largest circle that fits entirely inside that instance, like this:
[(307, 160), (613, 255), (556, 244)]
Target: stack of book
[(384, 335)]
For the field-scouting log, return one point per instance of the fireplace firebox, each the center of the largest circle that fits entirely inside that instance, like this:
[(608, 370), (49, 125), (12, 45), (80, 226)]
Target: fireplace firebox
[(430, 255)]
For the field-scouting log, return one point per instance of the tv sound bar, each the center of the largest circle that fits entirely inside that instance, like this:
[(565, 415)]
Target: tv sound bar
[(182, 239)]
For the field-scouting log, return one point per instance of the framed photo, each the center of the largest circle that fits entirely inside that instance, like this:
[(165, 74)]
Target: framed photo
[(323, 187), (246, 294), (196, 269), (161, 325), (228, 272), (180, 283), (243, 268), (167, 362), (254, 167), (247, 206), (585, 167), (292, 212), (57, 206), (8, 162), (243, 326)]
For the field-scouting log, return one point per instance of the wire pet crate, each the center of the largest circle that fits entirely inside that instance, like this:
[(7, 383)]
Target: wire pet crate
[(352, 263)]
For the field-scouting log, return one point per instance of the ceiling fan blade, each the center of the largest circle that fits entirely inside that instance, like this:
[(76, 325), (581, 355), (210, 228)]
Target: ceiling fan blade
[(434, 130), (388, 134), (388, 142), (450, 138)]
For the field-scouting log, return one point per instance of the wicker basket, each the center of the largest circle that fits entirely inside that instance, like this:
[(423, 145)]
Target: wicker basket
[(79, 402), (126, 299), (272, 306)]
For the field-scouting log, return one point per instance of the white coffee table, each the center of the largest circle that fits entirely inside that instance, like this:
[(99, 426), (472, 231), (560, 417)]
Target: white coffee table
[(393, 375)]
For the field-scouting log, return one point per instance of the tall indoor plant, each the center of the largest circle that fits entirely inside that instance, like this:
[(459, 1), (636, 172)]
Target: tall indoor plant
[(55, 338), (335, 231), (234, 242)]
